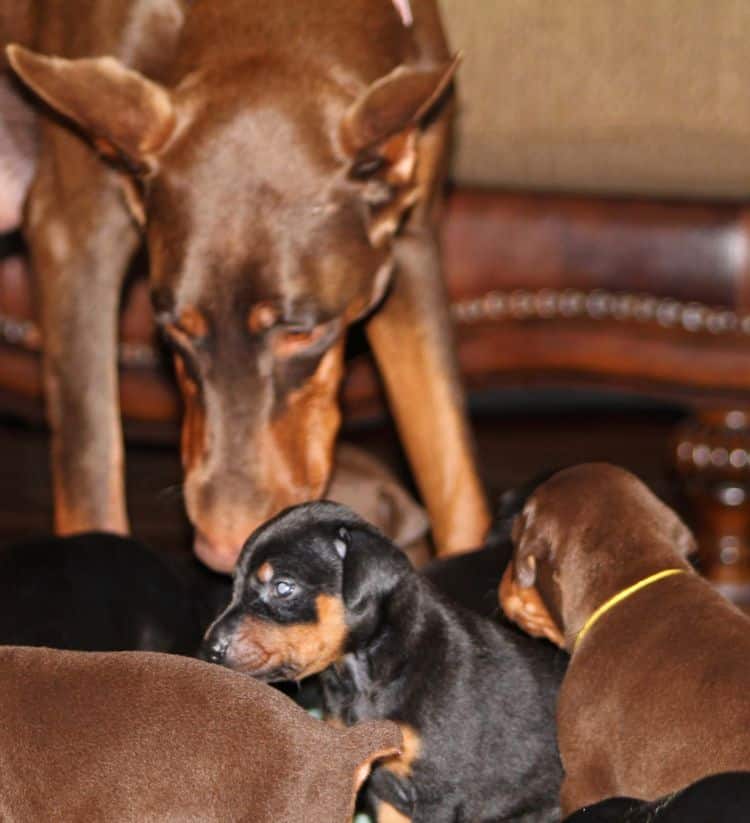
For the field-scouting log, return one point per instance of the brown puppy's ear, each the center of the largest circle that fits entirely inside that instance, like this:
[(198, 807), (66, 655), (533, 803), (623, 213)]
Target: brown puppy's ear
[(127, 116), (683, 538), (380, 132), (372, 740), (528, 549), (518, 597)]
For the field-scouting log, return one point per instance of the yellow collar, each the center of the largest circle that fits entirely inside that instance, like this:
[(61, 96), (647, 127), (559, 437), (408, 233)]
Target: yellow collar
[(619, 597)]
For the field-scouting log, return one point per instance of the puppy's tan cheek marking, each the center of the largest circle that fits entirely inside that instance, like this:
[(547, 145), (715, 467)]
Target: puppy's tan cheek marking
[(402, 764), (316, 646), (309, 647), (265, 572), (526, 608)]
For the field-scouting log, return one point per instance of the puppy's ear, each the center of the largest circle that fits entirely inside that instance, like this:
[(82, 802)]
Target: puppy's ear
[(518, 597), (342, 541), (683, 538), (530, 548), (373, 567)]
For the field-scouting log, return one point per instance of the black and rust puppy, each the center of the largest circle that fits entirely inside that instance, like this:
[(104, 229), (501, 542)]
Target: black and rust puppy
[(720, 798), (102, 592), (317, 589)]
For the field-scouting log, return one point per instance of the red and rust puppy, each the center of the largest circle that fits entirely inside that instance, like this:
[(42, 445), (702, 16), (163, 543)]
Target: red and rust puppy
[(283, 163), (134, 737), (655, 696), (317, 589)]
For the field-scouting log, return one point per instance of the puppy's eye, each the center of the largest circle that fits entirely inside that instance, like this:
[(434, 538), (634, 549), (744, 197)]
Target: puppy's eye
[(284, 588)]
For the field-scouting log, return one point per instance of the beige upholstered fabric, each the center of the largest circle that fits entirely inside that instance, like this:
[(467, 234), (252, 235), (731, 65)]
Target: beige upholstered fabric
[(623, 96)]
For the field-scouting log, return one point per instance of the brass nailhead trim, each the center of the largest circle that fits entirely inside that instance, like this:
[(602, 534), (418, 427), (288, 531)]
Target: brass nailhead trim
[(519, 304), (569, 304)]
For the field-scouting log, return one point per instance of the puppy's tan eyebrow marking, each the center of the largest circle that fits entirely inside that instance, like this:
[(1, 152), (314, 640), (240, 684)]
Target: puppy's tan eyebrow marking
[(265, 572)]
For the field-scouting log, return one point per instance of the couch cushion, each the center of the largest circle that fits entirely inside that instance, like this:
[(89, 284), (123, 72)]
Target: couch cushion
[(646, 97)]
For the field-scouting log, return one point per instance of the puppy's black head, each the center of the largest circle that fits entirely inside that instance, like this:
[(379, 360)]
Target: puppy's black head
[(309, 586)]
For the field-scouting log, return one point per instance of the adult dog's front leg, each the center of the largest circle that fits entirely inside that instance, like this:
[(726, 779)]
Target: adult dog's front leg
[(411, 336), (81, 239)]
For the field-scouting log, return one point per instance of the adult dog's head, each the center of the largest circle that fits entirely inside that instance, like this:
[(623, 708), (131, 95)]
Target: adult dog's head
[(270, 179), (310, 585)]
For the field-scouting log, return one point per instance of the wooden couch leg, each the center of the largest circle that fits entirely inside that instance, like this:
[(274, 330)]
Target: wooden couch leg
[(712, 456)]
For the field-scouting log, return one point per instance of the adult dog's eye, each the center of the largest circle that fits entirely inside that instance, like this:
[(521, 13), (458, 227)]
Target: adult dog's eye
[(290, 341), (284, 588)]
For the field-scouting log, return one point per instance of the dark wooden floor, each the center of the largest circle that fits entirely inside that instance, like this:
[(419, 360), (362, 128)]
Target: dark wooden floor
[(512, 446)]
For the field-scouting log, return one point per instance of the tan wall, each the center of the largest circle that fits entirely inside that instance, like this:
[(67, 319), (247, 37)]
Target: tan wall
[(644, 96)]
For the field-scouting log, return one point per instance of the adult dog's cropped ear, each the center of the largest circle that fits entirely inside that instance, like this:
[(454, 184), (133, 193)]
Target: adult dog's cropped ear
[(127, 116), (380, 133), (372, 569), (518, 595)]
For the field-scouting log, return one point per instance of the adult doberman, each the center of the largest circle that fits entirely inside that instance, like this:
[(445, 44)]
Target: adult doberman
[(283, 162)]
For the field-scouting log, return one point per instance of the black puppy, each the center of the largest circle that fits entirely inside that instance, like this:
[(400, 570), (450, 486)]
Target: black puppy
[(471, 579), (102, 592), (720, 798), (317, 589)]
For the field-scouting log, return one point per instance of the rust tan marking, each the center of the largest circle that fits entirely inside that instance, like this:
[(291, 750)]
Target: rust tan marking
[(334, 722), (105, 148), (299, 441), (385, 813), (261, 317), (133, 198), (401, 154), (289, 343), (265, 572), (193, 323), (403, 763), (192, 443), (525, 607), (307, 648)]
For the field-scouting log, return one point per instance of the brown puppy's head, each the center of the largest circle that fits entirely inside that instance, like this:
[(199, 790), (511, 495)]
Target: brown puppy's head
[(310, 585), (269, 191), (584, 535)]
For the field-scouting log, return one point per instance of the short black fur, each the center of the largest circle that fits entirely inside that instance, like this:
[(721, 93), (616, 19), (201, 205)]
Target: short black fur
[(480, 697), (101, 592), (720, 798)]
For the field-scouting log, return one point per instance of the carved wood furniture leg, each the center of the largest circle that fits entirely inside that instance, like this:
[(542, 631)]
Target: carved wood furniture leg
[(712, 455), (81, 238)]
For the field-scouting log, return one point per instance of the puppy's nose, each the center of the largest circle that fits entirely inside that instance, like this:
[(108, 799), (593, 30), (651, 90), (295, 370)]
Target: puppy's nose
[(214, 651)]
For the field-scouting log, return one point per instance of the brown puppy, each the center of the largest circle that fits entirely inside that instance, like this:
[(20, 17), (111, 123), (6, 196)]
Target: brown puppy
[(283, 164), (656, 693), (133, 737)]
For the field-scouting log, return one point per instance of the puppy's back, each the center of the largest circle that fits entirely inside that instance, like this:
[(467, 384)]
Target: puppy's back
[(140, 736)]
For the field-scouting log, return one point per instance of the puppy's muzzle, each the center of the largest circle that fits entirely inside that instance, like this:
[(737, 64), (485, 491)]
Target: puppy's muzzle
[(215, 650), (219, 647)]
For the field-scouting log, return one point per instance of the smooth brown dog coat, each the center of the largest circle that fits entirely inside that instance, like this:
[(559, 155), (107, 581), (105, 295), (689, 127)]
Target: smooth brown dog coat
[(135, 737), (283, 162), (656, 694)]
